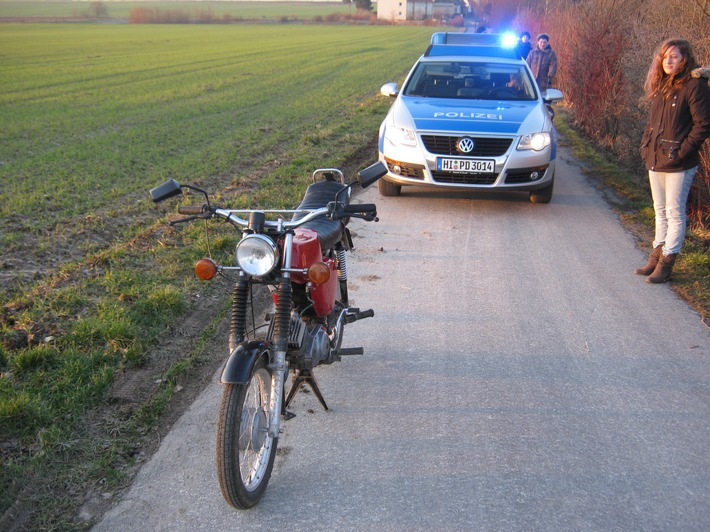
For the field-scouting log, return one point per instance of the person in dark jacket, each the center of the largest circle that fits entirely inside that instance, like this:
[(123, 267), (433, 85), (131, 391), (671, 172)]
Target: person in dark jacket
[(543, 62), (524, 47), (678, 124)]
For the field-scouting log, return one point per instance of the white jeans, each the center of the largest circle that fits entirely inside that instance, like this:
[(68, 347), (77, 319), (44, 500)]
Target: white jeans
[(670, 193)]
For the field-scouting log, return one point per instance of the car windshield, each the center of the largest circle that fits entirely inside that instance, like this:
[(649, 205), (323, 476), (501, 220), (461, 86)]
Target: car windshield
[(471, 80)]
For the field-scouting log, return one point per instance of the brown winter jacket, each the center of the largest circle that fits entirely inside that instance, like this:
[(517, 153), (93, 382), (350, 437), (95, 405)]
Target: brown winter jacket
[(677, 127), (543, 64)]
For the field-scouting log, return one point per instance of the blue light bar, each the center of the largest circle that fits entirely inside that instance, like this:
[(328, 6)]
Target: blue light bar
[(479, 39)]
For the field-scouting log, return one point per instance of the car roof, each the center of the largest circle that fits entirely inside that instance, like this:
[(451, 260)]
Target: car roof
[(471, 52), (446, 44)]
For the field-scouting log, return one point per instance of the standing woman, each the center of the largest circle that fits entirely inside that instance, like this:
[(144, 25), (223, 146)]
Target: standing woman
[(678, 124)]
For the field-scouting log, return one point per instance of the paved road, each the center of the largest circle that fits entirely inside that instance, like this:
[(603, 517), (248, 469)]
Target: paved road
[(517, 376)]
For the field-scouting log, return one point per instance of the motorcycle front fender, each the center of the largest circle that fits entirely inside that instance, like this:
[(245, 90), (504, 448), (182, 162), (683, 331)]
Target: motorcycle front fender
[(238, 368)]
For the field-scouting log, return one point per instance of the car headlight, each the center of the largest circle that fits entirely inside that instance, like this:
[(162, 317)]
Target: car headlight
[(400, 136), (257, 255), (534, 141)]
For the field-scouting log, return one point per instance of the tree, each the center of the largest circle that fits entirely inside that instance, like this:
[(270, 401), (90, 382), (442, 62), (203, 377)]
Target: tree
[(98, 9)]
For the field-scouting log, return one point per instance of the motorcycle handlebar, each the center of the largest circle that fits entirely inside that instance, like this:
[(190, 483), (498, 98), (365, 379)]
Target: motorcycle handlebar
[(365, 208), (231, 217), (191, 210), (336, 210), (366, 211)]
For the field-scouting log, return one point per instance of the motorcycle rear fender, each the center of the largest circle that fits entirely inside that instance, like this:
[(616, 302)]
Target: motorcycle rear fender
[(240, 363)]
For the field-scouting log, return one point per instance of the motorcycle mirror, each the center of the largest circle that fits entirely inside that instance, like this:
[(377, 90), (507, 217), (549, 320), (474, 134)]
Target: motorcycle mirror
[(371, 174), (167, 190)]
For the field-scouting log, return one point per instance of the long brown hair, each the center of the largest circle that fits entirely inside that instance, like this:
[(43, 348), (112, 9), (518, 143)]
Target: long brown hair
[(657, 81)]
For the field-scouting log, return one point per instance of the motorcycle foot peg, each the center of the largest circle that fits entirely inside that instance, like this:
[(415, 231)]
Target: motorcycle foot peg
[(345, 351)]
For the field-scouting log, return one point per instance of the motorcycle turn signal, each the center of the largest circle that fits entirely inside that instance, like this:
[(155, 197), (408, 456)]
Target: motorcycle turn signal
[(206, 269), (318, 272)]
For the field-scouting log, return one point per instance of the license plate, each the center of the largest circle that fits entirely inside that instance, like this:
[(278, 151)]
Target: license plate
[(472, 166)]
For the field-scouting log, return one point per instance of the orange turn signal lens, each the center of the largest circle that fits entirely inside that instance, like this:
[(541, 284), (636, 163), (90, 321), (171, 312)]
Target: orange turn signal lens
[(318, 272), (206, 269)]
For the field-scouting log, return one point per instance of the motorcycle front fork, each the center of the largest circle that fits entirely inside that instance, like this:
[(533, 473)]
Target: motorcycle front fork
[(282, 327), (278, 377)]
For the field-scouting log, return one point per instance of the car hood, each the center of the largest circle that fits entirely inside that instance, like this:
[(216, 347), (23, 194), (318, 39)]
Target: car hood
[(474, 116)]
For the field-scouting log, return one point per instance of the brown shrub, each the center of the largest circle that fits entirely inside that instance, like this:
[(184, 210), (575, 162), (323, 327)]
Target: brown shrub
[(333, 18), (699, 200), (204, 16), (596, 85), (140, 15), (604, 49), (457, 21)]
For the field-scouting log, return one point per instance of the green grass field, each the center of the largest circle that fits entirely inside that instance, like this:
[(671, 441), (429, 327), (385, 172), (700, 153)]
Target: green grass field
[(120, 10), (93, 116), (86, 125)]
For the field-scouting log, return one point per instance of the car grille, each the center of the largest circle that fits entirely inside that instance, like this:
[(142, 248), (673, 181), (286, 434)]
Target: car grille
[(524, 175), (485, 147), (464, 179)]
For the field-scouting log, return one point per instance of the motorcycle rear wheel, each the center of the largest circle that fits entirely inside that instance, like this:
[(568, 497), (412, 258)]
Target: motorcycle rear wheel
[(245, 450)]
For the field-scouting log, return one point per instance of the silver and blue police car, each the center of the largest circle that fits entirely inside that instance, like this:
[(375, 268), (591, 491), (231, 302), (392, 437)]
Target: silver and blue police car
[(470, 115)]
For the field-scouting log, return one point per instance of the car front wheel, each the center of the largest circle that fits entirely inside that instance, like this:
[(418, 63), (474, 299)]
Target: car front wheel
[(542, 195), (388, 188)]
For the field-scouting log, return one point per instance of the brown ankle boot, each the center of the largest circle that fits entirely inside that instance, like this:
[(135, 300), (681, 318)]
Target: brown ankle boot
[(652, 261), (663, 270)]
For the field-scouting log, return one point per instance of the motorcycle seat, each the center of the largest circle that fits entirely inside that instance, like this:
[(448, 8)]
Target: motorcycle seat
[(319, 195)]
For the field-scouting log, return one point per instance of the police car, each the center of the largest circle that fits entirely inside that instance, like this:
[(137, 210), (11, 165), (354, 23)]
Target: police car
[(470, 115)]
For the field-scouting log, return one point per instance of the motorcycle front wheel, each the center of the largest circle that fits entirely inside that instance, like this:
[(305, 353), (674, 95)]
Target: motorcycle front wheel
[(245, 450)]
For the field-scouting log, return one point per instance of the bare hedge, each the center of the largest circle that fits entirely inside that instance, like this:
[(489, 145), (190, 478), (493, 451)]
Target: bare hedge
[(604, 48)]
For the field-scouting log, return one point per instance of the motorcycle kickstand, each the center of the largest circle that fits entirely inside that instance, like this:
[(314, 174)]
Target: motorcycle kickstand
[(305, 376)]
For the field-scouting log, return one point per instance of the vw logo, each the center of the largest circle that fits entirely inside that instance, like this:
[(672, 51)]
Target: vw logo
[(465, 145)]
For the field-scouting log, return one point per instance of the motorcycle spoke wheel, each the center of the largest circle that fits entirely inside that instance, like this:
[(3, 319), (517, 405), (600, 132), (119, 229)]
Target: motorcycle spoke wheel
[(245, 450)]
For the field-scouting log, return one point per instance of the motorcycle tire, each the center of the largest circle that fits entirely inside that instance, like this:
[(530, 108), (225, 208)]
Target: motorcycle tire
[(245, 450)]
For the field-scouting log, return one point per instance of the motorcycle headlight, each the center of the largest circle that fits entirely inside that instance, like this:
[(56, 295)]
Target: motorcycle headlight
[(534, 141), (257, 255)]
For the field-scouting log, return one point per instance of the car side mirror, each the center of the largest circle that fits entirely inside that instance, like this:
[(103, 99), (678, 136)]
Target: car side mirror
[(389, 89), (552, 95)]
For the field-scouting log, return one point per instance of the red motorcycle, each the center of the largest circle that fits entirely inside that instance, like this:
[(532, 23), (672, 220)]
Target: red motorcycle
[(302, 261)]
